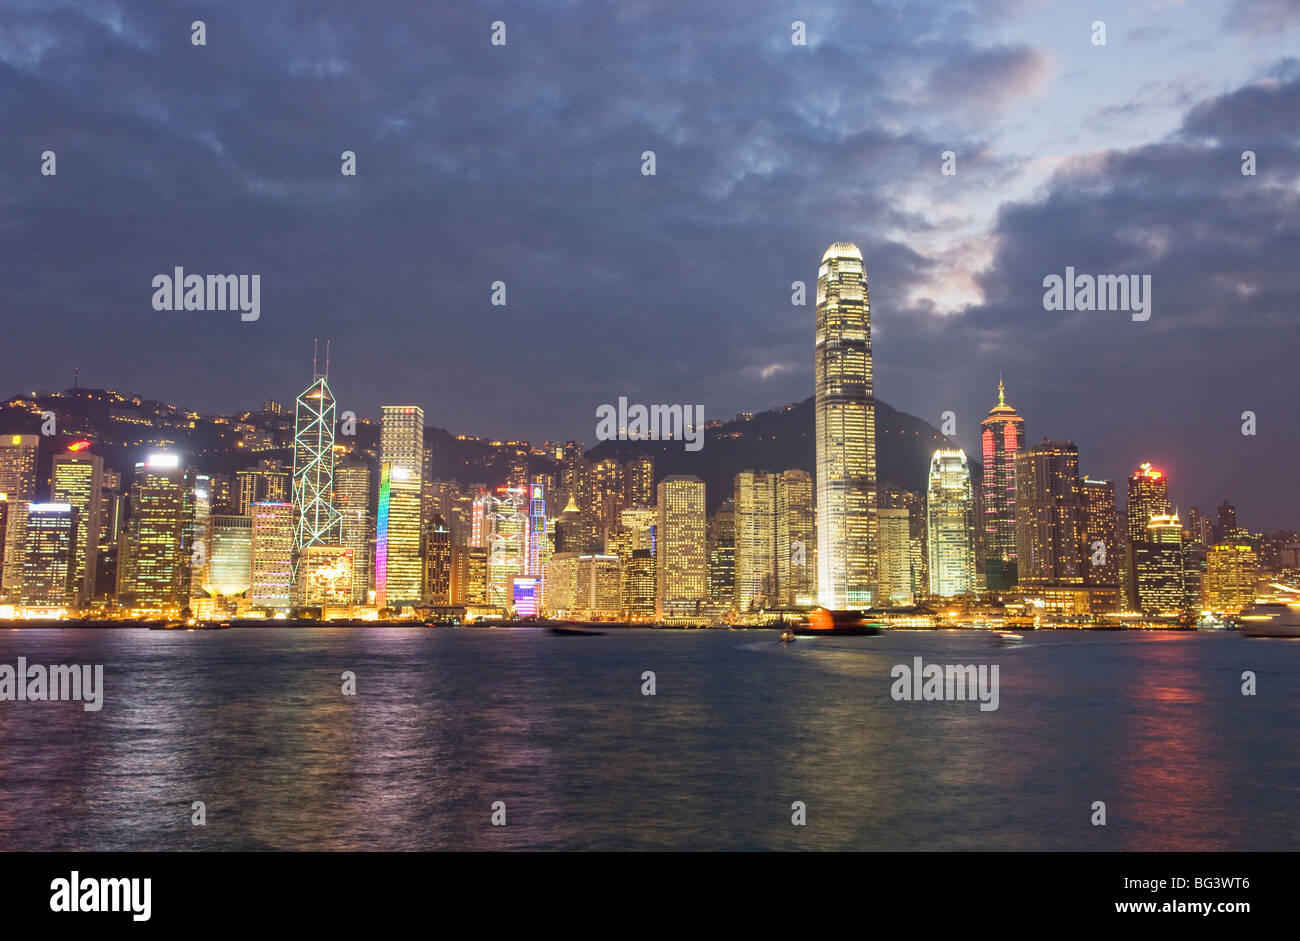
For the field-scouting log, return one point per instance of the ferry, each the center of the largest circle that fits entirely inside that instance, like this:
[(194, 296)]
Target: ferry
[(822, 622), (1273, 617)]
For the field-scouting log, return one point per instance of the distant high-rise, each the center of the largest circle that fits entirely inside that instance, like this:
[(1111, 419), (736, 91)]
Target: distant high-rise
[(229, 565), (315, 518), (507, 544), (680, 534), (154, 577), (437, 562), (77, 478), (1101, 543), (18, 484), (352, 499), (272, 555), (950, 520), (846, 432), (639, 481), (269, 482), (1049, 515), (796, 539), (895, 567), (50, 577), (639, 586), (755, 521), (401, 446), (1231, 571), (1159, 565), (1002, 436), (722, 554), (1148, 496)]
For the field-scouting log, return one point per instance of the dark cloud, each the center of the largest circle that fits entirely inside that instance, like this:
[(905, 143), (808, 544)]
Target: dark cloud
[(522, 164)]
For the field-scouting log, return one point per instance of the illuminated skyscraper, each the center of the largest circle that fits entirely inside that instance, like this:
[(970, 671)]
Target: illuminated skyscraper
[(154, 577), (722, 554), (846, 432), (269, 482), (507, 544), (18, 484), (895, 568), (796, 539), (77, 478), (682, 566), (1049, 515), (755, 520), (1148, 496), (229, 556), (272, 555), (1159, 564), (1231, 571), (352, 499), (599, 588), (437, 562), (401, 446), (49, 565), (950, 521), (1002, 436), (1101, 543), (315, 518), (639, 481), (537, 551)]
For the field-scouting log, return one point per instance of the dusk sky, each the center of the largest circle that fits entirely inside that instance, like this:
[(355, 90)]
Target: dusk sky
[(522, 163)]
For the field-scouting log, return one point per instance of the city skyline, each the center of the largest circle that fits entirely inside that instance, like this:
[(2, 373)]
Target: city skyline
[(1067, 154)]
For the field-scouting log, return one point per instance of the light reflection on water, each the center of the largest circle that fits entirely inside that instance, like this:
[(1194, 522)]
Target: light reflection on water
[(447, 721)]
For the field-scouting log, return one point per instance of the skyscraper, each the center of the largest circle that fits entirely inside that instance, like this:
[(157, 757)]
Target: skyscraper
[(680, 534), (401, 446), (796, 539), (315, 518), (1231, 571), (1148, 496), (269, 482), (50, 576), (155, 575), (1049, 515), (846, 432), (1159, 564), (755, 521), (1002, 436), (77, 478), (895, 568), (950, 520), (1101, 543), (272, 555), (437, 562), (229, 556), (352, 499), (18, 484), (722, 554)]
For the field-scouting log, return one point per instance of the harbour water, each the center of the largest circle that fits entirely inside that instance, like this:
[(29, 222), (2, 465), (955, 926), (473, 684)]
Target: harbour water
[(446, 722)]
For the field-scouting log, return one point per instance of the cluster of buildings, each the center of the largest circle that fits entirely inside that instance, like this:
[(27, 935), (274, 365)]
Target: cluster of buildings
[(350, 531)]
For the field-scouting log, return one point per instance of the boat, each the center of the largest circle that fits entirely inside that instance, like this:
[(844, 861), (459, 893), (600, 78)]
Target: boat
[(787, 636), (823, 622), (1008, 638), (1273, 617), (575, 631)]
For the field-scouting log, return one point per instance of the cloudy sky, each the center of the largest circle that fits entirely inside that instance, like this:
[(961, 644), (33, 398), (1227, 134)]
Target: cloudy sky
[(522, 163)]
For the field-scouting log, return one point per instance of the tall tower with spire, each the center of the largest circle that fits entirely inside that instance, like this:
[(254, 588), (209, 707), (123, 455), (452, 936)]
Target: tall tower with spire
[(847, 542), (316, 521), (1002, 435)]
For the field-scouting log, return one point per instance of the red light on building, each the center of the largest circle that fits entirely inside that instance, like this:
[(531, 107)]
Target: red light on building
[(78, 445)]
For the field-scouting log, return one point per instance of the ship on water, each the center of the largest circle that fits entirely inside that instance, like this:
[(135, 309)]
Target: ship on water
[(1278, 616)]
